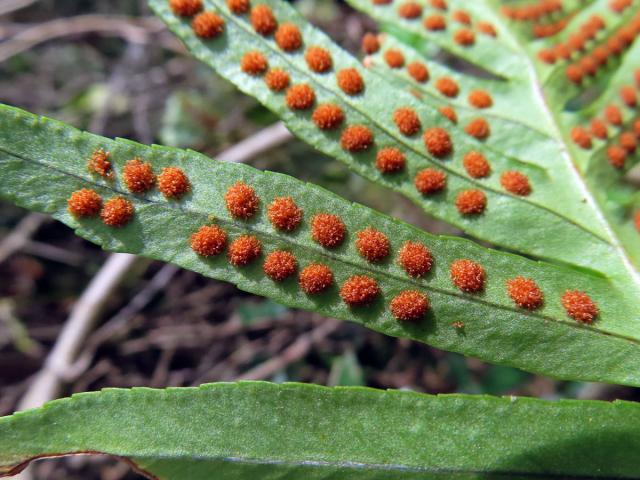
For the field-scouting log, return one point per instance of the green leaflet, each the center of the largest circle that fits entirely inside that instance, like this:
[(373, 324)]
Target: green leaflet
[(43, 161), (290, 431), (500, 56), (517, 115), (557, 203), (619, 198), (532, 112)]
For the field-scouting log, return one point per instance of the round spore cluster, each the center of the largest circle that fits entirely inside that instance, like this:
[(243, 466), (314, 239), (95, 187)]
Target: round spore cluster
[(579, 306), (516, 182), (173, 182), (328, 230), (138, 176), (328, 116), (315, 278), (117, 212), (350, 81), (243, 250), (476, 165), (84, 203), (438, 142), (372, 244), (208, 25), (471, 202), (359, 290), (356, 138), (429, 181), (467, 275), (263, 20), (241, 200), (415, 258), (280, 265), (209, 241), (284, 214), (409, 305), (185, 8), (390, 160), (525, 293)]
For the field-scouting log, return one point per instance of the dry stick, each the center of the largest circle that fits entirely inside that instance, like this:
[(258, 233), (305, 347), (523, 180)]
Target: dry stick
[(113, 326), (133, 31), (266, 138), (9, 6), (21, 234), (45, 385), (51, 252), (292, 353)]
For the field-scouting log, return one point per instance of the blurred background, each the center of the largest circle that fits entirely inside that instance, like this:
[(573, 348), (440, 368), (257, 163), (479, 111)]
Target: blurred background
[(110, 67)]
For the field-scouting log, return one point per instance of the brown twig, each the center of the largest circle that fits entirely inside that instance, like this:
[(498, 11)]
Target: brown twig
[(21, 234), (136, 31), (292, 353)]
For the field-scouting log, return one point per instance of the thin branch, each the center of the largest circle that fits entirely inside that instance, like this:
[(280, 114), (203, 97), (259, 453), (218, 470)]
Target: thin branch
[(10, 6), (265, 139), (292, 353), (137, 31), (73, 334), (21, 234)]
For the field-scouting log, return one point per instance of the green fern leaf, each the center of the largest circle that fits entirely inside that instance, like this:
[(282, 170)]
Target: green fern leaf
[(261, 430), (546, 209), (42, 162)]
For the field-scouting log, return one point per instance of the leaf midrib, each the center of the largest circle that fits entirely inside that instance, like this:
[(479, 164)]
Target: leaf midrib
[(401, 140), (368, 267), (388, 467), (447, 472)]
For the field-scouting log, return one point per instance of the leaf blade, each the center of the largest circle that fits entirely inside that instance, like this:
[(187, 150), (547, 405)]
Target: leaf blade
[(42, 161), (276, 431), (526, 215)]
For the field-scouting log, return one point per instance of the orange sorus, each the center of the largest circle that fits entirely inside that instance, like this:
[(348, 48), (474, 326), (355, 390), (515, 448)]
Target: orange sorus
[(284, 214), (430, 180), (84, 203), (467, 275), (328, 230), (409, 305), (579, 306), (525, 293), (315, 278), (173, 183), (359, 290), (241, 200), (209, 240), (415, 259), (516, 183), (207, 25), (372, 244), (280, 265), (263, 20), (471, 202), (117, 212), (244, 250)]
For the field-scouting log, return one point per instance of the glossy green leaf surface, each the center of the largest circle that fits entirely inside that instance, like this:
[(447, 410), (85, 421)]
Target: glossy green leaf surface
[(559, 220), (43, 161), (290, 431)]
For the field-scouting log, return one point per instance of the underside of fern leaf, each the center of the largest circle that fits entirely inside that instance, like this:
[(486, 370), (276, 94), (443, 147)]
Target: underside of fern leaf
[(537, 192), (43, 164)]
